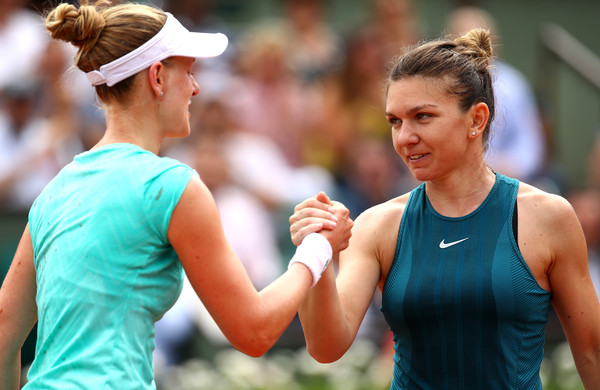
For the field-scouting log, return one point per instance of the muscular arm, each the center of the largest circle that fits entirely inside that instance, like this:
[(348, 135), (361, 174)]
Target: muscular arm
[(252, 321), (334, 309), (18, 312), (574, 297)]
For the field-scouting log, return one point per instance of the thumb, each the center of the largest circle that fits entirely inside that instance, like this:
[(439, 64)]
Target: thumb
[(323, 198)]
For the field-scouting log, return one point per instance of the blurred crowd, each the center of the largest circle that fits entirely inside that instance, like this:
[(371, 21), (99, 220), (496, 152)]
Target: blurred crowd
[(293, 108)]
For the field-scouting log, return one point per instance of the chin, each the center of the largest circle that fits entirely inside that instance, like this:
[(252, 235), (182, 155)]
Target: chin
[(420, 175), (180, 133)]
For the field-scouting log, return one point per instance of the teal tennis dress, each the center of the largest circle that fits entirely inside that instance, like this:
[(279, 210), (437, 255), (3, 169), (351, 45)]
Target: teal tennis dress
[(465, 310), (104, 267)]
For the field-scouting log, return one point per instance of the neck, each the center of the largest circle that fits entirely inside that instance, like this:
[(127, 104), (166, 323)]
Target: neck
[(130, 126), (461, 194)]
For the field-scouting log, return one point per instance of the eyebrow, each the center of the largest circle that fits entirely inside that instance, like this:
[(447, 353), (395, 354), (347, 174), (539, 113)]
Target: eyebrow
[(414, 109)]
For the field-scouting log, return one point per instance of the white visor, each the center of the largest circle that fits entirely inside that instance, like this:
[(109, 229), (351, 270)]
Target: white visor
[(172, 40)]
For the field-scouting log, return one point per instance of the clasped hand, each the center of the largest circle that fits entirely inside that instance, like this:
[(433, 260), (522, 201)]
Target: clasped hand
[(322, 215)]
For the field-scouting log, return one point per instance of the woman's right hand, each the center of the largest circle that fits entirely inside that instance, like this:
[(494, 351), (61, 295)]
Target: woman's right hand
[(320, 214)]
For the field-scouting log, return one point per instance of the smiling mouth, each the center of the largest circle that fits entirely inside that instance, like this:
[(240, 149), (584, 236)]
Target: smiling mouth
[(415, 157)]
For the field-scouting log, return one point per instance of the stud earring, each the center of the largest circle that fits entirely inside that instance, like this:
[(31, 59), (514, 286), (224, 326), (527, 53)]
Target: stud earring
[(161, 93), (473, 133)]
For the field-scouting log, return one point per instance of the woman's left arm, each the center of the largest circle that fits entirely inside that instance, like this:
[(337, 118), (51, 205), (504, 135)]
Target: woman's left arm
[(573, 295), (18, 312)]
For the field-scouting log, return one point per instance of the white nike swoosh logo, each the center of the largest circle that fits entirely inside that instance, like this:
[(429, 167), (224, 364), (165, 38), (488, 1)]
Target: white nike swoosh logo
[(445, 245)]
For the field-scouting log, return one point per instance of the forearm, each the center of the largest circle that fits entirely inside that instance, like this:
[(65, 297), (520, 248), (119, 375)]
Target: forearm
[(279, 302), (264, 318), (589, 371), (326, 329), (282, 298), (10, 367)]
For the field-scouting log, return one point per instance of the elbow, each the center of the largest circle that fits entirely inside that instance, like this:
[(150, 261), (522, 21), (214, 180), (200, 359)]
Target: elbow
[(324, 355), (255, 352), (254, 341), (323, 359), (254, 348), (327, 346)]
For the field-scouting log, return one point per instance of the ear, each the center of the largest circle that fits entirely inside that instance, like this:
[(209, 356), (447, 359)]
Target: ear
[(155, 78), (480, 113)]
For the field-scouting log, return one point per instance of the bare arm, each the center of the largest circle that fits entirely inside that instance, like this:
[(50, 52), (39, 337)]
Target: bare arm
[(334, 309), (18, 312), (574, 297), (252, 321)]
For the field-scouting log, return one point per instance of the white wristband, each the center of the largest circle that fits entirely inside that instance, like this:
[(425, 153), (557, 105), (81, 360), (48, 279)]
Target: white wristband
[(315, 253)]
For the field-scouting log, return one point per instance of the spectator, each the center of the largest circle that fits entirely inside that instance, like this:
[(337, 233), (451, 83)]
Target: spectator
[(395, 23), (352, 104), (314, 48), (33, 146), (268, 98), (22, 41)]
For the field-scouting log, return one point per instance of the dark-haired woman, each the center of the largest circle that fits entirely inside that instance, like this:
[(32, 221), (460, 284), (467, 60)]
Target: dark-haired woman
[(470, 261)]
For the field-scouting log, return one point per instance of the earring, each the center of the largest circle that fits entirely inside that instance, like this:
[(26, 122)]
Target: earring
[(161, 93), (473, 133)]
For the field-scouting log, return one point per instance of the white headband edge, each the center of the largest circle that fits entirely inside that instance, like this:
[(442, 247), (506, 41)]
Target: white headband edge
[(166, 43)]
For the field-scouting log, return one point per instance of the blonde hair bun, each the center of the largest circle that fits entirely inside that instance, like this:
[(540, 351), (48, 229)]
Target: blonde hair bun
[(81, 27)]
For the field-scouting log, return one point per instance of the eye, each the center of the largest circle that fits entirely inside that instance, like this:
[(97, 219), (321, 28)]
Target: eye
[(394, 122), (423, 115)]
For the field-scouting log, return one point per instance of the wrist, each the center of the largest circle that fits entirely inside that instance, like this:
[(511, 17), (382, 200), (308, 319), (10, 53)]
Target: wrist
[(314, 253)]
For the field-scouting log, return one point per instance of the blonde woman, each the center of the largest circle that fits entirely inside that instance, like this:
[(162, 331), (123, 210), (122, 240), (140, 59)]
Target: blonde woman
[(107, 241)]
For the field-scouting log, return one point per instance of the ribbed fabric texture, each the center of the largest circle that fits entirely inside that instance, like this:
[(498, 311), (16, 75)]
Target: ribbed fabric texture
[(465, 310)]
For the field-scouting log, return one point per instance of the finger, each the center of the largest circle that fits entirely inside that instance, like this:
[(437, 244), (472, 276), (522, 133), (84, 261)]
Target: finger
[(339, 207), (322, 197), (312, 213), (315, 203), (325, 223)]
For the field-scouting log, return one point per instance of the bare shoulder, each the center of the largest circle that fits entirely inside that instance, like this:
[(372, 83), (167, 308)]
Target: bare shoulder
[(383, 216), (545, 206), (548, 229)]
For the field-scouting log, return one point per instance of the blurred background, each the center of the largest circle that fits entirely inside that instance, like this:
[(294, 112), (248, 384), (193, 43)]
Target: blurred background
[(295, 106)]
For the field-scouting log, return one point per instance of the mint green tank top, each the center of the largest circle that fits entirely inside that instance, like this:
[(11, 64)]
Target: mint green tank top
[(464, 307), (105, 270)]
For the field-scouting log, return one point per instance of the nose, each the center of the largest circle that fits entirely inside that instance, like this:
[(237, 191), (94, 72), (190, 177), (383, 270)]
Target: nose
[(196, 87), (405, 135)]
